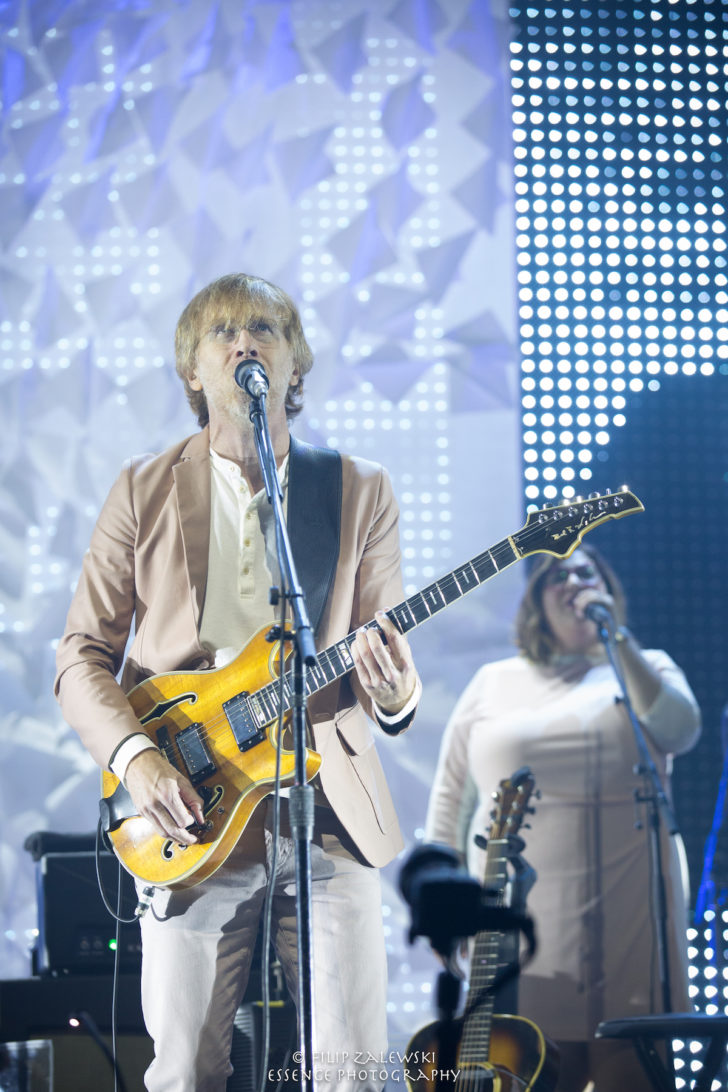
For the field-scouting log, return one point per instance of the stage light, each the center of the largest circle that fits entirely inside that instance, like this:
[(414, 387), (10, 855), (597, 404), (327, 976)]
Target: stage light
[(620, 188)]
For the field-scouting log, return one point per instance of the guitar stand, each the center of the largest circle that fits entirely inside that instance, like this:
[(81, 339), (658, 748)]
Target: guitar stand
[(644, 1030)]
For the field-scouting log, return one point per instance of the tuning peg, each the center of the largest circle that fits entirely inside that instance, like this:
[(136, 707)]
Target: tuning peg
[(481, 841)]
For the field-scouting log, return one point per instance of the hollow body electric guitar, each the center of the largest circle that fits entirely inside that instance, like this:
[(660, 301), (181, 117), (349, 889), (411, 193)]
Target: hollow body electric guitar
[(220, 727), (494, 1052)]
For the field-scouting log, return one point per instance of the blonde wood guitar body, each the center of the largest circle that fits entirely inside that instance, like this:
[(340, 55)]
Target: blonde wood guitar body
[(203, 722)]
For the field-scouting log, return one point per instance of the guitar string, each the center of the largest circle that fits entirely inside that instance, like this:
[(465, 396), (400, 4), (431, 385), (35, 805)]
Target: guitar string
[(478, 1034), (476, 1037), (219, 724)]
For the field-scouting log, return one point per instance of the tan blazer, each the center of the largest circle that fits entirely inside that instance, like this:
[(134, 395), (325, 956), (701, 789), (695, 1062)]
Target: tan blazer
[(146, 567)]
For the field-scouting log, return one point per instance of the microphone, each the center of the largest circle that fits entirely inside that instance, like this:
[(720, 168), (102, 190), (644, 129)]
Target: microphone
[(599, 614), (251, 378)]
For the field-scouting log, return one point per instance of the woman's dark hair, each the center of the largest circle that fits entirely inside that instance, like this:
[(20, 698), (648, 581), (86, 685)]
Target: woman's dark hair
[(533, 636)]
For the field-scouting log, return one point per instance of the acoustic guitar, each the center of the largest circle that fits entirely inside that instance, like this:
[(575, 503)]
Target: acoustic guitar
[(221, 727), (494, 1052)]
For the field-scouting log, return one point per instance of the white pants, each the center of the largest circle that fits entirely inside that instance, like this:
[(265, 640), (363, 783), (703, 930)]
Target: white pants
[(197, 946)]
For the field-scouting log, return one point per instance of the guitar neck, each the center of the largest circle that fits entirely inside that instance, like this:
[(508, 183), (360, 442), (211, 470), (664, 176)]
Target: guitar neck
[(336, 660), (557, 531), (484, 965)]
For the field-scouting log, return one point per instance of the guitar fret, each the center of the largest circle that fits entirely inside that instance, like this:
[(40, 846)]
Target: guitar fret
[(506, 553), (403, 617), (457, 583), (328, 669), (450, 589), (258, 707), (342, 659), (418, 609), (315, 678), (485, 566), (434, 598)]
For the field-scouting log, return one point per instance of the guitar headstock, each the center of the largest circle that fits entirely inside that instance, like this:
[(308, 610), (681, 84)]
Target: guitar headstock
[(511, 803), (558, 530)]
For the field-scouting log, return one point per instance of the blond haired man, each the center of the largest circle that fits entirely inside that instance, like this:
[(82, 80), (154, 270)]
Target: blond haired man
[(183, 554)]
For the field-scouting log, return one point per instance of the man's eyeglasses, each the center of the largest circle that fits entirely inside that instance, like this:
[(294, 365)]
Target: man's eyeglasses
[(262, 329), (560, 575)]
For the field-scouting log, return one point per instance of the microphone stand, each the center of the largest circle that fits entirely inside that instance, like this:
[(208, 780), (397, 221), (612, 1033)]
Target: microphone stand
[(447, 996), (301, 796), (654, 796)]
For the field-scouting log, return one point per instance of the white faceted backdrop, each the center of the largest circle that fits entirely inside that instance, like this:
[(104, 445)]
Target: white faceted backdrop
[(358, 154)]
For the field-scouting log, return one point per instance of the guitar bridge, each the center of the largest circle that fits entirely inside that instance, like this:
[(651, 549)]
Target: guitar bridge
[(195, 755)]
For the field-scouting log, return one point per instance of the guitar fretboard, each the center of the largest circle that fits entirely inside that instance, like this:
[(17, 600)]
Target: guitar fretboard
[(336, 660), (484, 965), (555, 530)]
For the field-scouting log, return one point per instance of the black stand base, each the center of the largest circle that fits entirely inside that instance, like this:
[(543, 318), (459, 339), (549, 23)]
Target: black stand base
[(643, 1030)]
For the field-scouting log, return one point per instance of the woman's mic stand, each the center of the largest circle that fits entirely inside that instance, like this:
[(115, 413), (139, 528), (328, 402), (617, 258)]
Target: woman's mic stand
[(654, 796), (301, 795)]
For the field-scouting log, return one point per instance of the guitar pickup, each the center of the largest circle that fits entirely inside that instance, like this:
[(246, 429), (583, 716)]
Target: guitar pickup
[(240, 718), (195, 755)]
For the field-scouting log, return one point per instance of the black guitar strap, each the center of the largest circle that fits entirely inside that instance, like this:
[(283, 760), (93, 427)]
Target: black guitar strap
[(314, 521)]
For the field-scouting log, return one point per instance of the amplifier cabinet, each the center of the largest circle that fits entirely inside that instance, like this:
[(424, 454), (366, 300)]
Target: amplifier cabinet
[(76, 933)]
